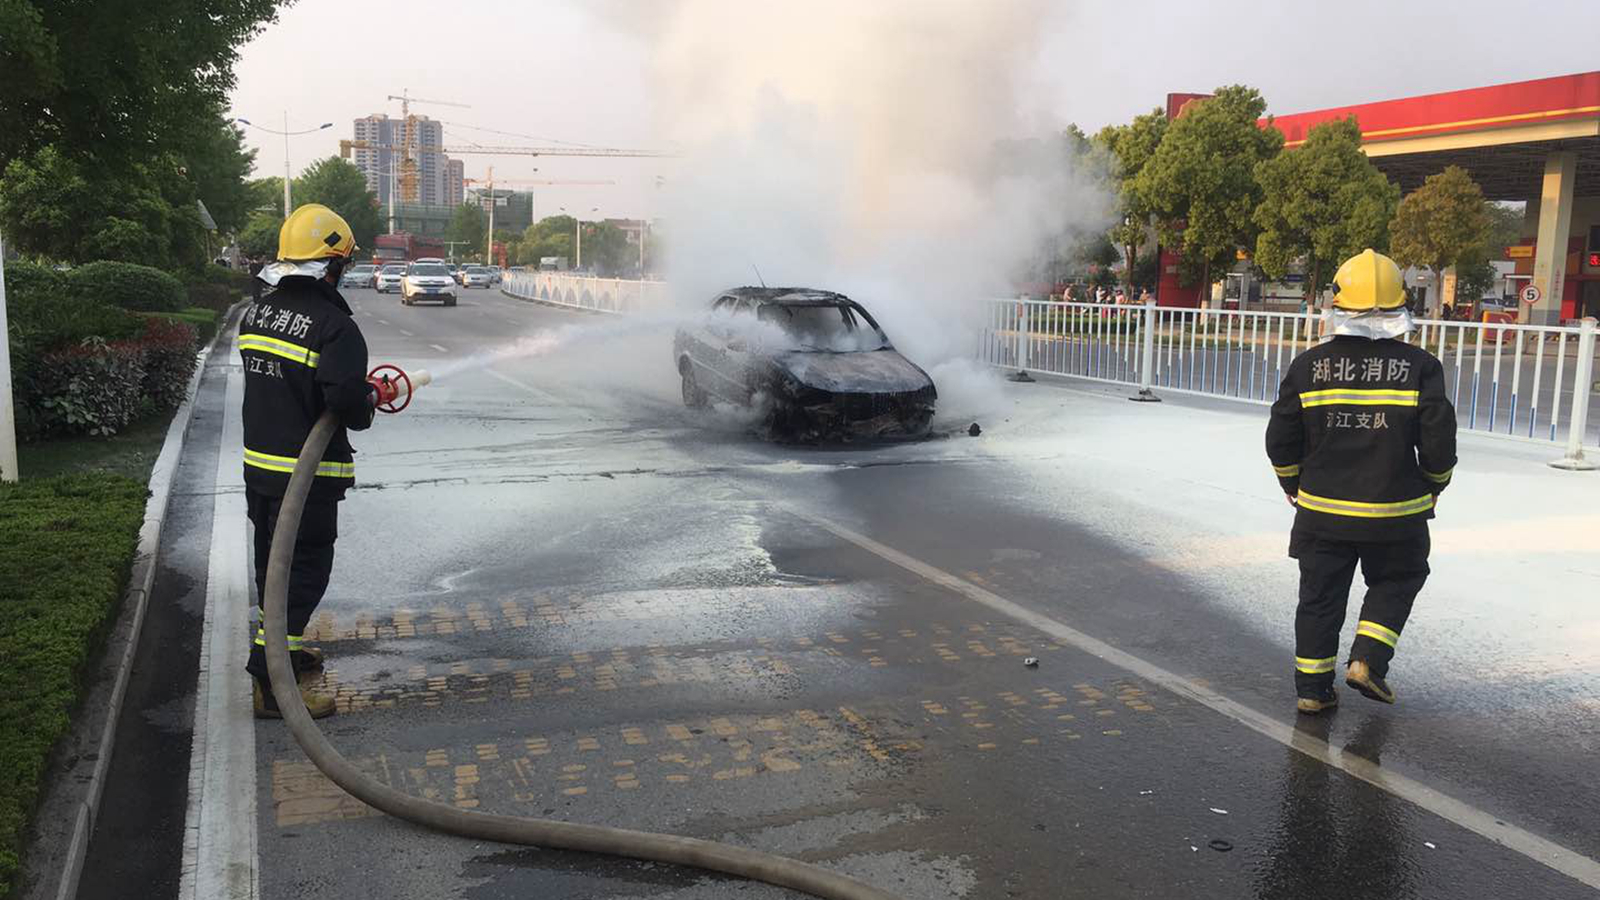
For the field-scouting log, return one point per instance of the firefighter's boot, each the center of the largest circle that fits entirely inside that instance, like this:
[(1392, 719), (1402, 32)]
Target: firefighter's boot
[(266, 706), (1327, 701), (1360, 676)]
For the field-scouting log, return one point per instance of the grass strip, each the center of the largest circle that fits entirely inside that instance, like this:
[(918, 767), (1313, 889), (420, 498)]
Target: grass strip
[(66, 545)]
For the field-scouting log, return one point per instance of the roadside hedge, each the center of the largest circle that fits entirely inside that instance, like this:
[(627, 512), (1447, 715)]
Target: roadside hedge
[(66, 545), (97, 387), (128, 285)]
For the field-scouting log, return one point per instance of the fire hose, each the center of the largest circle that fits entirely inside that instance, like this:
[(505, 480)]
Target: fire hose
[(663, 848)]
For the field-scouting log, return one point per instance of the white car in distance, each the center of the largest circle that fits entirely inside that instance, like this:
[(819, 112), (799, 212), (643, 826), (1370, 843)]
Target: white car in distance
[(476, 276), (427, 281), (389, 277)]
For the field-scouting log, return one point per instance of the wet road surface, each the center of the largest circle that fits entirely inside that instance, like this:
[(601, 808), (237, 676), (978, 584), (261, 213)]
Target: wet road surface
[(561, 594)]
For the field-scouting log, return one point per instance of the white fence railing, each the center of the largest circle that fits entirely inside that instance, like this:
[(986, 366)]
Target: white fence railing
[(607, 295), (1527, 381)]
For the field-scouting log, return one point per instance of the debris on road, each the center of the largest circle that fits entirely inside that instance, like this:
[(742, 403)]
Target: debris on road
[(1429, 845), (1220, 812), (974, 431), (1220, 845), (1031, 662)]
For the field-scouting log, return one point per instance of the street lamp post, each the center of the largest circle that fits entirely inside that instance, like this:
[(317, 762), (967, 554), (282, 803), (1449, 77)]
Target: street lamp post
[(577, 234), (286, 135)]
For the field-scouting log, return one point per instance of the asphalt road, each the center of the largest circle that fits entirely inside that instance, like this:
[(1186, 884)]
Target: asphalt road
[(561, 594)]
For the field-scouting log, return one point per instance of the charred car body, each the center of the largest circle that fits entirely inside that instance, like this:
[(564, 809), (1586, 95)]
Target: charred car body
[(816, 360)]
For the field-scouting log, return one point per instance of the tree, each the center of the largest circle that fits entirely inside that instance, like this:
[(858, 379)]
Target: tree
[(1439, 224), (60, 206), (259, 238), (606, 249), (550, 236), (122, 80), (468, 224), (1321, 204), (1130, 148), (218, 163), (1200, 183), (337, 184)]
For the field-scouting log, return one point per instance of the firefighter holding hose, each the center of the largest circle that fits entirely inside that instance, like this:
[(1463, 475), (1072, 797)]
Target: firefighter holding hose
[(303, 355), (1363, 441)]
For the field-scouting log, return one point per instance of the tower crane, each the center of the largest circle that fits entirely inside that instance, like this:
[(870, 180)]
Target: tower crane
[(409, 148)]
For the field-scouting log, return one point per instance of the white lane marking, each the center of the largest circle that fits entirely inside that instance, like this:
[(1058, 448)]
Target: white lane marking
[(1567, 862), (219, 841), (439, 348), (546, 396), (406, 333)]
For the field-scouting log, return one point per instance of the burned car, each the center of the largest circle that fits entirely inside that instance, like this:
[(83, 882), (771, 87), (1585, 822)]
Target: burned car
[(815, 361)]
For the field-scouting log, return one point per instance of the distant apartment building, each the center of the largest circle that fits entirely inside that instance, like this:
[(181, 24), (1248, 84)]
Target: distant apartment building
[(454, 182), (438, 176)]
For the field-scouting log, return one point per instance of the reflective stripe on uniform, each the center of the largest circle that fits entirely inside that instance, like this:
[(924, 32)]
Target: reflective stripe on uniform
[(286, 464), (296, 641), (1287, 471), (1359, 397), (1438, 477), (1362, 510), (1315, 666), (1377, 632), (279, 347)]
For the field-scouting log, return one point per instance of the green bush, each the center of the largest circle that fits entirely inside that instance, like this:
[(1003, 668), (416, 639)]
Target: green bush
[(210, 296), (169, 360), (97, 387), (28, 282), (94, 388), (66, 544), (128, 285)]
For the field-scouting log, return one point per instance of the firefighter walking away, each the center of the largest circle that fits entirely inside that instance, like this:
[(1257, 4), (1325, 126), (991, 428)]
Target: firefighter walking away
[(303, 355), (1363, 441)]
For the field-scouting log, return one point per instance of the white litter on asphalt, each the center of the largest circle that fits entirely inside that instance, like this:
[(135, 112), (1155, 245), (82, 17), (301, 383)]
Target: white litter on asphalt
[(1429, 845), (1220, 812)]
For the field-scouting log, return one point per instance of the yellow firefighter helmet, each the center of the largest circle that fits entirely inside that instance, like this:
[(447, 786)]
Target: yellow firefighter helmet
[(315, 232), (1369, 280)]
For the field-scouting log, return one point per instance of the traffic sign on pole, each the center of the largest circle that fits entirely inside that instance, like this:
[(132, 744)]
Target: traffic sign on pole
[(1530, 294)]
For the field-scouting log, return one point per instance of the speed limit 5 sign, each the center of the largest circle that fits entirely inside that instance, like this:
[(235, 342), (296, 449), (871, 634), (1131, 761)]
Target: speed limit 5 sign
[(1530, 294)]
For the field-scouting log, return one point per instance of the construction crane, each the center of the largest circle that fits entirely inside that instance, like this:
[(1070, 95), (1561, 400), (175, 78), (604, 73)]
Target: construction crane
[(345, 147), (409, 147)]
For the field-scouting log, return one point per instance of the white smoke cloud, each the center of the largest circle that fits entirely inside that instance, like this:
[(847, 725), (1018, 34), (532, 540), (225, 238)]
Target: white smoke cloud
[(851, 145)]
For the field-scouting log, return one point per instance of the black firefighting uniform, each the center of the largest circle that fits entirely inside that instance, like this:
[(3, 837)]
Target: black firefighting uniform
[(1363, 438), (303, 354)]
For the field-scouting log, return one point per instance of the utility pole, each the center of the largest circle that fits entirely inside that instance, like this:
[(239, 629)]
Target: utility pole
[(286, 164), (488, 242), (8, 412)]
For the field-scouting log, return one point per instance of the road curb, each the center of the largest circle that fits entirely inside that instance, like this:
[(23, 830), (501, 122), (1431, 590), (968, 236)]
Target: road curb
[(72, 801)]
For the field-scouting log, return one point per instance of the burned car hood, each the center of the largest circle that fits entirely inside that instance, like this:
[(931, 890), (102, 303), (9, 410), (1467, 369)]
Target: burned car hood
[(867, 371)]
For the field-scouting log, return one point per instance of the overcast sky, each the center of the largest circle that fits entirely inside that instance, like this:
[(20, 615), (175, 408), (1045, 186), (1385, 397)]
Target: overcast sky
[(574, 71)]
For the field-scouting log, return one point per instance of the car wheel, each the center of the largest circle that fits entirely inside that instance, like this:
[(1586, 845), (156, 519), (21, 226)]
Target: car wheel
[(449, 301), (693, 396)]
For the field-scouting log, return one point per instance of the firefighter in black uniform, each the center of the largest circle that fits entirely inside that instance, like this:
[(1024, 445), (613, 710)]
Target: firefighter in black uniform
[(1363, 440), (303, 355)]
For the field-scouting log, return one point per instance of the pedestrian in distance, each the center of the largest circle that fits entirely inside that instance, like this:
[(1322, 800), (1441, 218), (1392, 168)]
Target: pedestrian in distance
[(1363, 441), (303, 355)]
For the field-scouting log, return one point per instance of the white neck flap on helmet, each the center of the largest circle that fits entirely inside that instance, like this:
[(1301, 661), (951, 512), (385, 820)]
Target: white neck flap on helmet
[(272, 273), (1373, 324)]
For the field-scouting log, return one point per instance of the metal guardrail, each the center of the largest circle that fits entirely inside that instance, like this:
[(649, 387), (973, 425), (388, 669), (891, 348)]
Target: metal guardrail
[(606, 295), (1526, 381)]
